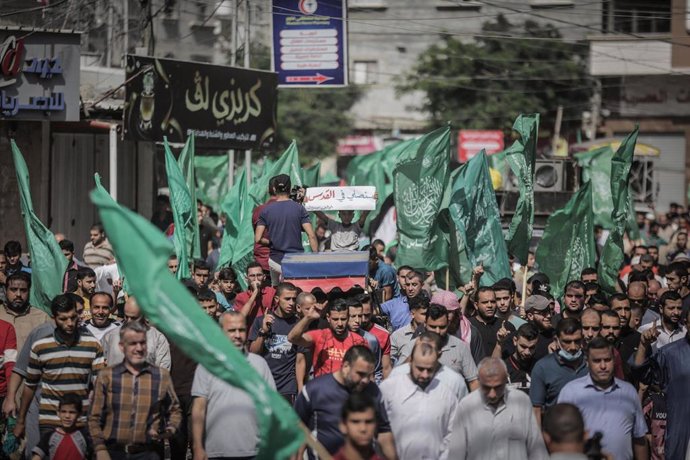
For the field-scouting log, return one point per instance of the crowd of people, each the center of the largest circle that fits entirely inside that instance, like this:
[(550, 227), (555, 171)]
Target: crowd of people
[(396, 369)]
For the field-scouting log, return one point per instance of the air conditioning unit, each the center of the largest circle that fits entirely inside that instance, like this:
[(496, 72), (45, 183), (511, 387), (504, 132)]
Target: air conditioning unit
[(549, 176)]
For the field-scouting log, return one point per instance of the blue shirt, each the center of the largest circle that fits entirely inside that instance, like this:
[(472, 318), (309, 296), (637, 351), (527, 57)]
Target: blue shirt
[(549, 376), (223, 302), (320, 404), (385, 276), (284, 220), (670, 368), (616, 412), (375, 348), (398, 310)]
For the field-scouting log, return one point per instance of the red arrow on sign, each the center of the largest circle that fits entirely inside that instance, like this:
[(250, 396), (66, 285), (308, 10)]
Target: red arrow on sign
[(318, 79)]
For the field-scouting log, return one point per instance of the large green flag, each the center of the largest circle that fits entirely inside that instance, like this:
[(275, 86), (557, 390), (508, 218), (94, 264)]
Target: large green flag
[(612, 256), (237, 247), (211, 178), (474, 211), (567, 245), (311, 176), (419, 187), (184, 213), (186, 164), (48, 264), (288, 163), (521, 157), (142, 253)]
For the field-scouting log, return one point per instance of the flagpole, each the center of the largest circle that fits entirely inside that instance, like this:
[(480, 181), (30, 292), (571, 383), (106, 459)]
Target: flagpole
[(447, 279), (311, 441), (524, 291)]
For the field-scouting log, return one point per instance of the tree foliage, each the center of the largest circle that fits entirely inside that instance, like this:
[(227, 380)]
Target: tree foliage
[(486, 84)]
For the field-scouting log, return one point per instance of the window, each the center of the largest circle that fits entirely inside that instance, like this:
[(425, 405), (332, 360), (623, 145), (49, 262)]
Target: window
[(364, 72), (639, 16)]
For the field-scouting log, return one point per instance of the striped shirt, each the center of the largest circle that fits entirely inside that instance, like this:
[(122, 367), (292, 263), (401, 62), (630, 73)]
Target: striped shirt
[(127, 406), (97, 256), (62, 369)]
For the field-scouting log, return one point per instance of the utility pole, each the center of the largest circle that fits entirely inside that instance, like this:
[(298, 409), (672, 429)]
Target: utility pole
[(233, 62), (109, 44), (125, 27), (247, 153)]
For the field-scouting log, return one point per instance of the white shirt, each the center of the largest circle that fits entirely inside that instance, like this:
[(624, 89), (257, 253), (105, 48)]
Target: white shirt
[(508, 433), (665, 337), (421, 419), (445, 375), (99, 332), (157, 348)]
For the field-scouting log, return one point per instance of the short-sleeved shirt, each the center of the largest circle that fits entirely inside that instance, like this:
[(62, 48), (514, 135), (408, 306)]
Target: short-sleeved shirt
[(60, 445), (344, 238), (319, 406), (385, 275), (261, 252), (489, 330), (384, 340), (262, 303), (654, 409), (455, 355), (329, 350), (231, 427), (284, 220), (398, 310), (519, 375), (375, 347), (549, 376), (616, 412), (279, 353)]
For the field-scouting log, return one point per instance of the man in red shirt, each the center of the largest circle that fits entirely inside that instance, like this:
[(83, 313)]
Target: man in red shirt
[(261, 252), (329, 345), (258, 299)]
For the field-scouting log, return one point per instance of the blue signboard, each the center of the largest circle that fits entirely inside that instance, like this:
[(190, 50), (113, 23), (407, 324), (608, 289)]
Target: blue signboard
[(310, 42)]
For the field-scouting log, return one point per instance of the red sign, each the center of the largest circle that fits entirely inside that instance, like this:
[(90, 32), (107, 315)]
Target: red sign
[(472, 141), (358, 145)]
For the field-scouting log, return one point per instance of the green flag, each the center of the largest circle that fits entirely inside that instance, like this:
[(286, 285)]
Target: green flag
[(288, 163), (419, 186), (211, 178), (186, 164), (311, 176), (142, 253), (477, 221), (567, 245), (521, 157), (612, 255), (596, 168), (237, 247), (183, 210), (48, 264)]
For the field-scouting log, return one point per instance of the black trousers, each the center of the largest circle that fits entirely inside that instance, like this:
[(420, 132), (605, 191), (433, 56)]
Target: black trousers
[(183, 437), (120, 455)]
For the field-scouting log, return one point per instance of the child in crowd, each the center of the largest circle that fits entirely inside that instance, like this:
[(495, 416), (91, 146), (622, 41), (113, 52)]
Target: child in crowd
[(358, 426), (66, 442)]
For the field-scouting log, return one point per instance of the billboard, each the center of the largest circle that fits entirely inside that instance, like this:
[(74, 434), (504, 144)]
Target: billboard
[(224, 107), (472, 141), (39, 75), (310, 42)]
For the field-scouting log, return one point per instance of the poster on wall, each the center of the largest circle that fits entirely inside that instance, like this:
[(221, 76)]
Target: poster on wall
[(310, 42), (224, 107)]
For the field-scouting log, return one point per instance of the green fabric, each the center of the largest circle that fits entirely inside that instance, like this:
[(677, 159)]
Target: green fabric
[(612, 255), (596, 168), (237, 247), (48, 264), (183, 210), (368, 170), (186, 164), (567, 245), (311, 176), (211, 179), (288, 163), (521, 157), (420, 182), (142, 253), (477, 221)]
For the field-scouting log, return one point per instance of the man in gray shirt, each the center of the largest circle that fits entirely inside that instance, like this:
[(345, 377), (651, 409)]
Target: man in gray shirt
[(455, 353), (224, 417)]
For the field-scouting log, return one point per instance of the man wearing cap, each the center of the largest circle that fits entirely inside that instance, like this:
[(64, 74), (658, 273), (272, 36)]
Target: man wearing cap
[(460, 325), (538, 311), (285, 220)]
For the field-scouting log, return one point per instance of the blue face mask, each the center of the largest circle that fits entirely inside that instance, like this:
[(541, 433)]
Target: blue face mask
[(567, 356)]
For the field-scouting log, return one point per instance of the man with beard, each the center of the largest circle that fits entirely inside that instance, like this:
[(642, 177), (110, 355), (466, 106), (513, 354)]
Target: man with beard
[(86, 286), (573, 302), (591, 324), (354, 323), (382, 336), (611, 327), (504, 290), (638, 296), (320, 401), (538, 311), (269, 339), (552, 372), (460, 325), (66, 348), (101, 310), (486, 321), (521, 362), (495, 422), (677, 280), (98, 251), (399, 338), (17, 311), (398, 309), (455, 354), (329, 345), (608, 405), (433, 405), (258, 298), (670, 328)]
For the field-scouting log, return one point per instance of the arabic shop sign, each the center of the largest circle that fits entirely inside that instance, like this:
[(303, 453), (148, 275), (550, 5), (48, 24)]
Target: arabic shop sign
[(224, 107), (39, 75), (353, 198)]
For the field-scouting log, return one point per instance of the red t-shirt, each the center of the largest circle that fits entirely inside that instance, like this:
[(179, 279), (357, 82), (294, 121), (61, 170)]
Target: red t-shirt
[(382, 336), (261, 252), (8, 353), (262, 303), (329, 351)]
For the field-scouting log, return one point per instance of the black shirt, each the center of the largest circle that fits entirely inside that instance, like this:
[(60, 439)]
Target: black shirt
[(488, 331), (519, 374)]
